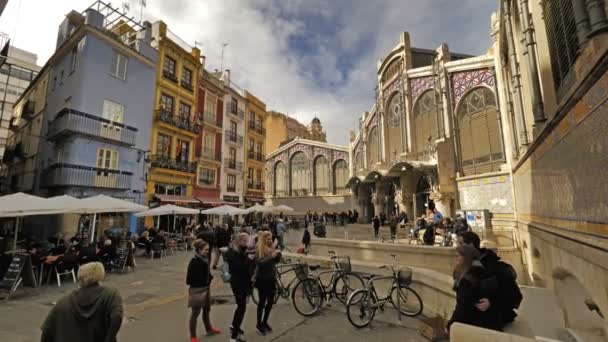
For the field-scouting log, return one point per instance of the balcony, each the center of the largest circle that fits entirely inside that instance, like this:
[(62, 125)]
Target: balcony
[(233, 164), (233, 138), (178, 121), (70, 121), (186, 85), (211, 119), (165, 162), (28, 109), (171, 77), (235, 111), (255, 185), (60, 175), (231, 188), (210, 154), (258, 128), (255, 156)]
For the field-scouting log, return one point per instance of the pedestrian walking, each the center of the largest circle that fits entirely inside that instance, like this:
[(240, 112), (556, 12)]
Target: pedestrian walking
[(90, 313), (394, 220), (306, 240), (265, 272), (199, 297), (376, 225), (280, 231), (241, 268)]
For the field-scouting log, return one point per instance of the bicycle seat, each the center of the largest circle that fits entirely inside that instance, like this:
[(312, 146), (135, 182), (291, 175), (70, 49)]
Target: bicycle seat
[(314, 267)]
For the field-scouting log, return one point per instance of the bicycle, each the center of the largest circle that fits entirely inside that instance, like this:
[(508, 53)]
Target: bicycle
[(310, 293), (301, 271), (362, 304)]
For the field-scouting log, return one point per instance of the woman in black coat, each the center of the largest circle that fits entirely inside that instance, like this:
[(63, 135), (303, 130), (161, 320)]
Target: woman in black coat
[(472, 283), (265, 279), (199, 299), (241, 266)]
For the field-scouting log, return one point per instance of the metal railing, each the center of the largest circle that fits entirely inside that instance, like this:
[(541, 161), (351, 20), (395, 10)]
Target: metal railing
[(233, 164), (210, 154), (170, 76), (70, 121), (212, 119), (232, 110), (59, 175), (257, 128), (178, 121), (255, 155), (186, 85), (166, 162), (255, 185), (233, 137)]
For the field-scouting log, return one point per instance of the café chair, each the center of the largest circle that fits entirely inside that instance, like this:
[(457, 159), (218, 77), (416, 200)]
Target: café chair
[(66, 265), (157, 249)]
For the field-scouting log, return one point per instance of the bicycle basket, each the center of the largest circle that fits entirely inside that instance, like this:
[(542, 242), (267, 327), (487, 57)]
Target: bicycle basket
[(404, 276), (343, 263), (301, 271)]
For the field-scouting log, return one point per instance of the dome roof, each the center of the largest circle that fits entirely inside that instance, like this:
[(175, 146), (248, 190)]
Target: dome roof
[(316, 120)]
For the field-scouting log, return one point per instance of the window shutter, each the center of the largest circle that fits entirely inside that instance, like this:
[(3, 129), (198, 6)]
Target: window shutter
[(114, 160)]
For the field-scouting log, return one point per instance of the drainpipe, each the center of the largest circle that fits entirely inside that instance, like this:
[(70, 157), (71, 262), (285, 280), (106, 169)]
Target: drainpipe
[(537, 102), (520, 119), (582, 20)]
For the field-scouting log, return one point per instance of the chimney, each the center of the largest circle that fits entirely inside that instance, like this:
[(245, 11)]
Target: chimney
[(94, 18), (146, 32), (227, 77)]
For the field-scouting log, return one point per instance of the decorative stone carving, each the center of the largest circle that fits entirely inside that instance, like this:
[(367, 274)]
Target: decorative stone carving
[(341, 155), (464, 81), (394, 87), (301, 148)]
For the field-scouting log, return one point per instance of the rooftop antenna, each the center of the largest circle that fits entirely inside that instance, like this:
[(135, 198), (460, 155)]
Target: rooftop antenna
[(142, 4), (126, 7), (222, 59)]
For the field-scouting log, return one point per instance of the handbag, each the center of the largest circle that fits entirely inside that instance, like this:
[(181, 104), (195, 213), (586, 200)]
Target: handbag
[(198, 297), (225, 272)]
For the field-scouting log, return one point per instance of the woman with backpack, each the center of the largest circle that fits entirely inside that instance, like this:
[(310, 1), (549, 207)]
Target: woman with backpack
[(264, 278), (473, 283), (199, 299)]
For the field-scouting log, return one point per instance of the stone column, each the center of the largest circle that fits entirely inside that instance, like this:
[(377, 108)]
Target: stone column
[(407, 204), (443, 203), (378, 198)]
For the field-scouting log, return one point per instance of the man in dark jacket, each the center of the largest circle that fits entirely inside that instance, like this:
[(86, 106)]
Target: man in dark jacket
[(90, 313), (241, 270), (376, 225)]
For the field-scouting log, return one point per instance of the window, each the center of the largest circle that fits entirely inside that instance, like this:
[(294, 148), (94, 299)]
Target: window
[(321, 176), (54, 83), (561, 36), (252, 119), (61, 77), (479, 132), (231, 186), (373, 149), (166, 103), (163, 145), (209, 144), (250, 176), (169, 189), (169, 67), (251, 147), (232, 154), (425, 121), (107, 159), (210, 106), (260, 148), (340, 177), (234, 105), (299, 174), (258, 179), (206, 177), (113, 111), (280, 180), (232, 130), (119, 66), (182, 154), (73, 59), (187, 77), (184, 111)]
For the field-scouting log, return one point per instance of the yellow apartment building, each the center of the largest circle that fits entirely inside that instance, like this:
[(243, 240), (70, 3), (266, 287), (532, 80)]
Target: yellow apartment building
[(176, 122), (255, 136)]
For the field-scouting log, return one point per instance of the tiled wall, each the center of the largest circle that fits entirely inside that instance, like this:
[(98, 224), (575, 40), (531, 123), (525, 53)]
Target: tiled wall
[(492, 193)]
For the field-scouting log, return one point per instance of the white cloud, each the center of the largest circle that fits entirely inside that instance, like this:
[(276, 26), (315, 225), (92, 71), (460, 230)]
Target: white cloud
[(259, 32)]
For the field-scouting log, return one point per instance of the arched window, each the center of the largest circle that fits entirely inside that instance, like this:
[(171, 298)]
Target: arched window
[(393, 138), (479, 132), (358, 161), (340, 177), (280, 180), (299, 174), (373, 150), (425, 121), (321, 175)]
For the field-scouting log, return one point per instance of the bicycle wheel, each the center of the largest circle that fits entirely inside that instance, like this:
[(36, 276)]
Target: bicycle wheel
[(345, 284), (307, 297), (361, 308), (409, 301)]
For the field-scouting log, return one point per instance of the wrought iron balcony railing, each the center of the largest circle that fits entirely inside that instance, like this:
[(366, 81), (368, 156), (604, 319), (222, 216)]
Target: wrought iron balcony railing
[(235, 111), (182, 122), (60, 175), (233, 138), (211, 119), (171, 77), (210, 154), (70, 121), (255, 185), (233, 164), (166, 162), (258, 128)]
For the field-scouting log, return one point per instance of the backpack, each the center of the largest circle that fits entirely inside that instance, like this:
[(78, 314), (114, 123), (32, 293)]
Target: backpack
[(507, 276)]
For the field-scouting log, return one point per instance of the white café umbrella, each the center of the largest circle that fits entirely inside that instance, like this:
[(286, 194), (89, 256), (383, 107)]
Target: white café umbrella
[(257, 208), (168, 209), (19, 204), (224, 210), (102, 204), (283, 207)]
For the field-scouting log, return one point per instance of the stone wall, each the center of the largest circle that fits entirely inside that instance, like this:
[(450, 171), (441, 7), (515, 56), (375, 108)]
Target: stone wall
[(328, 203), (490, 192)]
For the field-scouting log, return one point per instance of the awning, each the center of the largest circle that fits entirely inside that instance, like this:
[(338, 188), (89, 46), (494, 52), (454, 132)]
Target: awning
[(254, 199), (176, 199)]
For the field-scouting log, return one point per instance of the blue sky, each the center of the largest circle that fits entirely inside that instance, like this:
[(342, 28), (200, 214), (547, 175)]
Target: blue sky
[(302, 57)]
